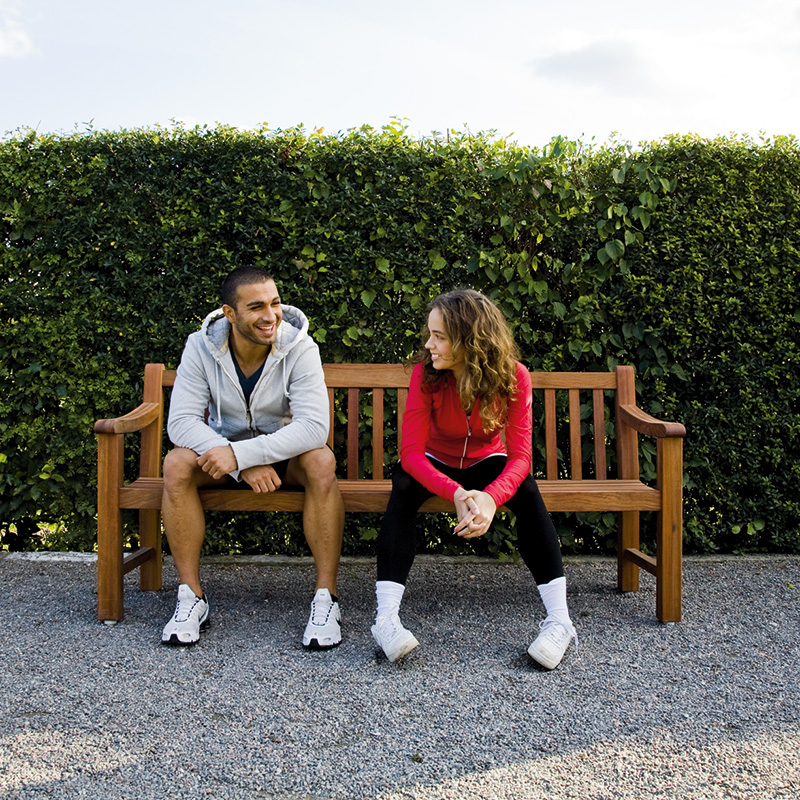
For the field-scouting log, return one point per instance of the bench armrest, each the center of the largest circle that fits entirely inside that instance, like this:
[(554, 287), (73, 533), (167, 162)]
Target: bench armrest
[(642, 422), (136, 420)]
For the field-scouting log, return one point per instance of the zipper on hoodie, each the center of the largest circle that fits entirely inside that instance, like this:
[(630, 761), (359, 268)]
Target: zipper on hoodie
[(237, 386), (249, 416)]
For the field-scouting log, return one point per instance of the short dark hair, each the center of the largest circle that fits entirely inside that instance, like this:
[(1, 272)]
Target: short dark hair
[(241, 276)]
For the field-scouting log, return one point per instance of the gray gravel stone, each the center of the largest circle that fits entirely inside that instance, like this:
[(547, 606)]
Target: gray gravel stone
[(707, 708)]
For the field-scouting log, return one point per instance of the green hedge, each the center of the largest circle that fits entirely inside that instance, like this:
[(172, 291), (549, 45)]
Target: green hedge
[(679, 258)]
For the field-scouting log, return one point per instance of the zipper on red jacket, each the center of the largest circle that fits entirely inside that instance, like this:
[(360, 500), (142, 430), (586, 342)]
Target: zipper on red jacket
[(466, 442)]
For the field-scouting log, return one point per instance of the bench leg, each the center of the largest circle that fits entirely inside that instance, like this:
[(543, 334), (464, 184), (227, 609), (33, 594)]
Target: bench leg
[(627, 537), (669, 577), (150, 537), (110, 567)]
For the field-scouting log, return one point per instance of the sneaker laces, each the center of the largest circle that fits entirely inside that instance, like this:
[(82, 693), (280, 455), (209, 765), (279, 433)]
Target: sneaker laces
[(389, 624), (186, 605), (321, 611), (552, 630)]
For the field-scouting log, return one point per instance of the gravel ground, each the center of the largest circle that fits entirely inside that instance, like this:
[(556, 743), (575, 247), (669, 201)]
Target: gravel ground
[(708, 708)]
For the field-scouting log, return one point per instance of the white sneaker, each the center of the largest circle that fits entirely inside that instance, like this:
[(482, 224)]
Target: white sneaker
[(550, 645), (324, 624), (392, 637), (191, 614)]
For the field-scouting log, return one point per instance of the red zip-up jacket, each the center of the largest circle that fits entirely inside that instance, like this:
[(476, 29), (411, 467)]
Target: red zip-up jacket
[(436, 424)]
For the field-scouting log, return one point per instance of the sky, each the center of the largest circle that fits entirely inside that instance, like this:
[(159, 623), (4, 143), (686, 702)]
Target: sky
[(583, 69)]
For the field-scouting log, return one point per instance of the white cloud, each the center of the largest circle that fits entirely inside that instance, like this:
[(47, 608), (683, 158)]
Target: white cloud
[(615, 66), (14, 39)]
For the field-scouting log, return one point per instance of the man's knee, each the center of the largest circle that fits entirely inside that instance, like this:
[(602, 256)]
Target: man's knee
[(316, 468), (180, 468)]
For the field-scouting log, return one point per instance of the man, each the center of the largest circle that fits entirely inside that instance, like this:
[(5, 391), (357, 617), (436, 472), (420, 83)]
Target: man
[(250, 404)]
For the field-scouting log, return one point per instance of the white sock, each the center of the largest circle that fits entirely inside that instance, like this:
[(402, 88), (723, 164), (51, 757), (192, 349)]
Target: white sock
[(389, 595), (554, 597)]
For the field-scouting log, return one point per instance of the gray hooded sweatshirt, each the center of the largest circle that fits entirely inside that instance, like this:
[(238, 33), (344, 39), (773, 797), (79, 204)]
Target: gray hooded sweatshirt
[(288, 412)]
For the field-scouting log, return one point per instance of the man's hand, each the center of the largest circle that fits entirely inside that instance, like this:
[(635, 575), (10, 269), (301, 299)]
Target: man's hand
[(475, 512), (261, 478), (218, 461)]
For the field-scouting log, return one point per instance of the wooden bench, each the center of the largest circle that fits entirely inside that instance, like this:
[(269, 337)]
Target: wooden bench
[(611, 395)]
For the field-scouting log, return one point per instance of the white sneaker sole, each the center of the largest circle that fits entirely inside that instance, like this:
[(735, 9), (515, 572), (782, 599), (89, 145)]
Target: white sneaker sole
[(327, 643), (175, 638)]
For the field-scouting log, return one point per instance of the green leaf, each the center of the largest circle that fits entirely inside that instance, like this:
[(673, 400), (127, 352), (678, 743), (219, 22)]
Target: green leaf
[(576, 349), (615, 249), (648, 200), (437, 261)]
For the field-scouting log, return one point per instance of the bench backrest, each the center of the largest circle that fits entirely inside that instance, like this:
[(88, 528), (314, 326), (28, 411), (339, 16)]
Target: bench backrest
[(367, 402)]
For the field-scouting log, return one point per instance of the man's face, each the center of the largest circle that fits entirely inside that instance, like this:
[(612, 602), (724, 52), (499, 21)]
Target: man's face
[(257, 314)]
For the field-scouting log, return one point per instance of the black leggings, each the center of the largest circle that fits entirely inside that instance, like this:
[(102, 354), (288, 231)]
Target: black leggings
[(537, 541)]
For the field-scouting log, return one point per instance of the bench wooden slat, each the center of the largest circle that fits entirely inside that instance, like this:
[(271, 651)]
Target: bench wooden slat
[(574, 380), (373, 495), (575, 455), (550, 435), (599, 434), (381, 376), (377, 434), (352, 433)]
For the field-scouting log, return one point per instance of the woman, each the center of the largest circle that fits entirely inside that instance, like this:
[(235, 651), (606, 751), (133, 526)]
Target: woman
[(466, 387)]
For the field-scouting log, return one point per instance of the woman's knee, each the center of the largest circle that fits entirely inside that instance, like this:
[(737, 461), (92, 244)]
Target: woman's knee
[(402, 482)]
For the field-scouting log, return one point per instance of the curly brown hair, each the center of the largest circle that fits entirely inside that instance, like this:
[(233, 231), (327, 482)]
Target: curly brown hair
[(480, 337)]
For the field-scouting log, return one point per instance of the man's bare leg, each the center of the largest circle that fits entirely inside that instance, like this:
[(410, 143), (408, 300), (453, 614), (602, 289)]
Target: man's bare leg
[(182, 512), (323, 512)]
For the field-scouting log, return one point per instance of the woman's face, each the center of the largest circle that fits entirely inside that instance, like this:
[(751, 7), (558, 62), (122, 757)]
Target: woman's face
[(439, 345)]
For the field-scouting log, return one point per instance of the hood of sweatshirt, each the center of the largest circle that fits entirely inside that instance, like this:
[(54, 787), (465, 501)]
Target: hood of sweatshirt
[(216, 329)]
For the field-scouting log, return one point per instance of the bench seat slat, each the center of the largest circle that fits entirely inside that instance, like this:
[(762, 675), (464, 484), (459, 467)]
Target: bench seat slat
[(373, 495)]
